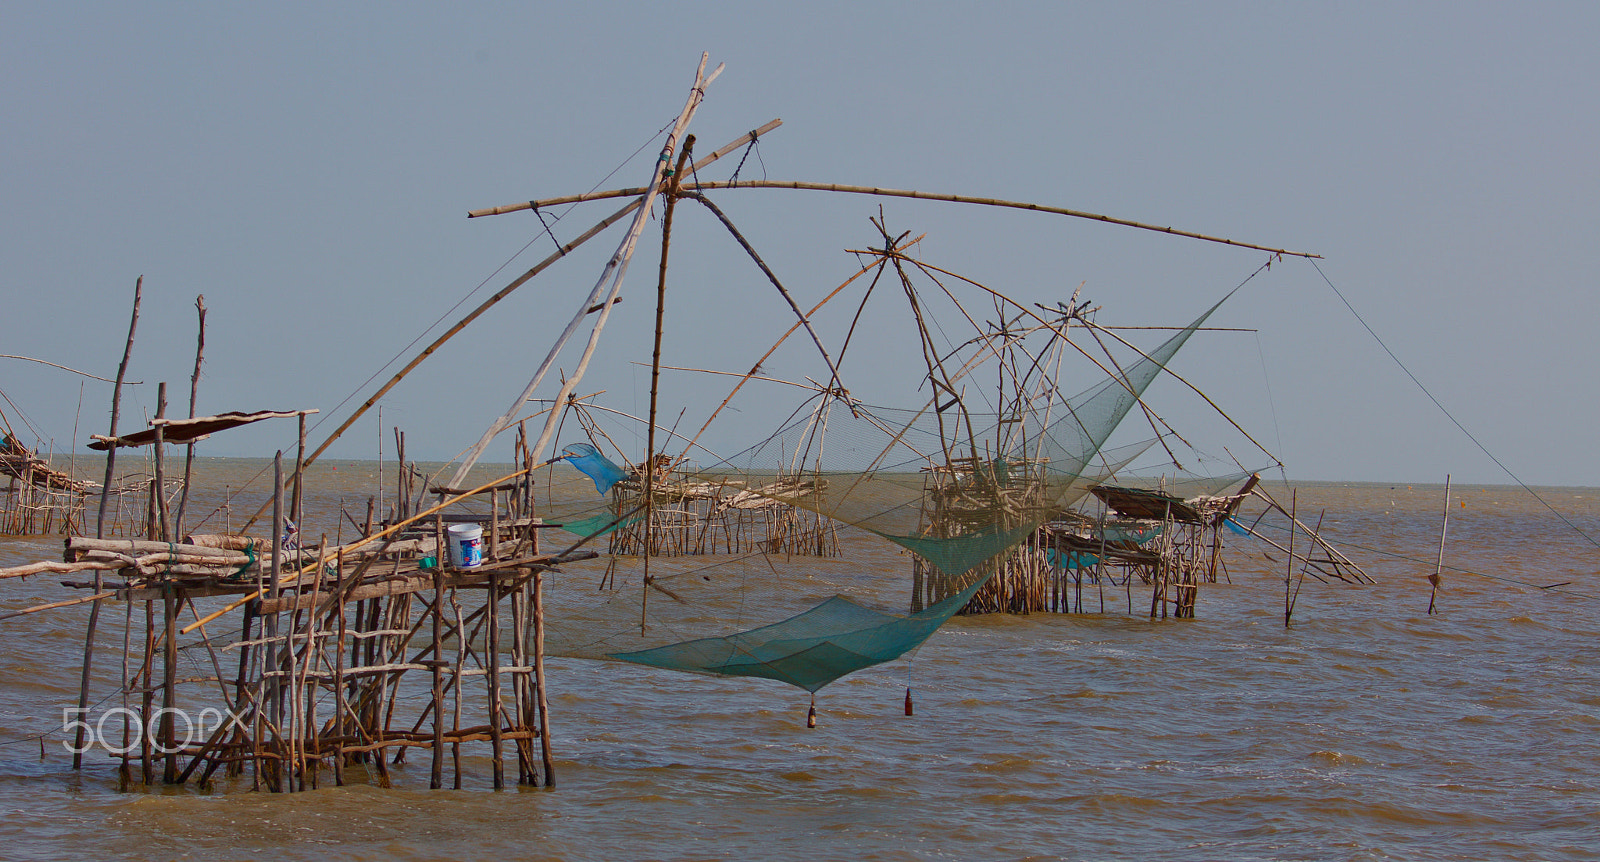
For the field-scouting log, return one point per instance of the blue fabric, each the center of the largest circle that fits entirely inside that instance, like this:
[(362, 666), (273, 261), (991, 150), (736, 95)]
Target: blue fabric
[(1070, 559), (594, 465)]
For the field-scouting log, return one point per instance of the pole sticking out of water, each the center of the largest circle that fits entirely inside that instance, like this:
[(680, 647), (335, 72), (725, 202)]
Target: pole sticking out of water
[(100, 521), (1288, 573), (1438, 567)]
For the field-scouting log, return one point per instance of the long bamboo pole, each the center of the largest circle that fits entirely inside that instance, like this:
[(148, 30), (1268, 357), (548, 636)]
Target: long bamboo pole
[(655, 379), (901, 193), (64, 368)]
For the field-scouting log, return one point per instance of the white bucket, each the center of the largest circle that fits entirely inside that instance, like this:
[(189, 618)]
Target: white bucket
[(466, 545)]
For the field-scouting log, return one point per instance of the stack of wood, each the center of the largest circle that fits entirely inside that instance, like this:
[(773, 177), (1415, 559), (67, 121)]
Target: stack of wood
[(198, 560)]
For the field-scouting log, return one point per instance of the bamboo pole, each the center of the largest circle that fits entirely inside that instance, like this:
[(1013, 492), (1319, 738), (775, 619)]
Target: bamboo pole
[(496, 721), (1438, 568), (904, 193), (169, 676), (158, 495), (65, 368), (148, 734), (655, 378), (194, 391), (62, 604), (296, 516), (436, 779), (273, 651), (99, 526), (539, 679)]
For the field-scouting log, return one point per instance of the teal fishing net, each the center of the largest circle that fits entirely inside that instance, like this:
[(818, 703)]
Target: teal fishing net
[(953, 490)]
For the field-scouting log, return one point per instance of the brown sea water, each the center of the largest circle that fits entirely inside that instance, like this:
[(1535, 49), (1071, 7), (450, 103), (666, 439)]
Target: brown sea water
[(1365, 730)]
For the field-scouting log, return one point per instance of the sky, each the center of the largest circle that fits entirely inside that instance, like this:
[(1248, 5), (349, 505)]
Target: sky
[(308, 167)]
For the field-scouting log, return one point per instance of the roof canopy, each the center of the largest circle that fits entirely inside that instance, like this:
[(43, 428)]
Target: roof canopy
[(190, 430)]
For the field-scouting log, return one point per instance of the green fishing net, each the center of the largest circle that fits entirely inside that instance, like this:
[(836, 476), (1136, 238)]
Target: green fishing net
[(954, 489)]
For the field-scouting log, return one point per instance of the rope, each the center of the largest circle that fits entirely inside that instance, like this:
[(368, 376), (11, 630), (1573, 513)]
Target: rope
[(250, 552), (1547, 588), (1448, 415), (547, 231), (733, 181)]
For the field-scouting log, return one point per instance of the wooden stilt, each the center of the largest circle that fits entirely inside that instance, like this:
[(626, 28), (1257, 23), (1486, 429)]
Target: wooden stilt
[(539, 679)]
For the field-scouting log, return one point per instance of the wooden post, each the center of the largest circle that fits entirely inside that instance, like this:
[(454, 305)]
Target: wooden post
[(1438, 568), (494, 524), (296, 514), (100, 527), (495, 720), (157, 496), (339, 695), (273, 652), (169, 674), (1288, 573), (655, 380), (194, 391), (539, 678), (147, 772), (455, 685), (436, 779)]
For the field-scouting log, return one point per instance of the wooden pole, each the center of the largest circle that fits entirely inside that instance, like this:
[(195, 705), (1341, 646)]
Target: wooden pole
[(436, 779), (100, 525), (296, 515), (1288, 573), (169, 678), (148, 735), (273, 649), (194, 391), (495, 707), (1438, 567), (904, 193), (540, 679), (158, 453), (655, 378), (340, 702)]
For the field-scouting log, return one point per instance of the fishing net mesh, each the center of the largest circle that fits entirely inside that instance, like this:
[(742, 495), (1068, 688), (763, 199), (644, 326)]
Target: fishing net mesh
[(953, 488)]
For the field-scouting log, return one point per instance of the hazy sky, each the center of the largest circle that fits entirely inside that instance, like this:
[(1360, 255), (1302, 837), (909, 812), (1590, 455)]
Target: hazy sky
[(307, 167)]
